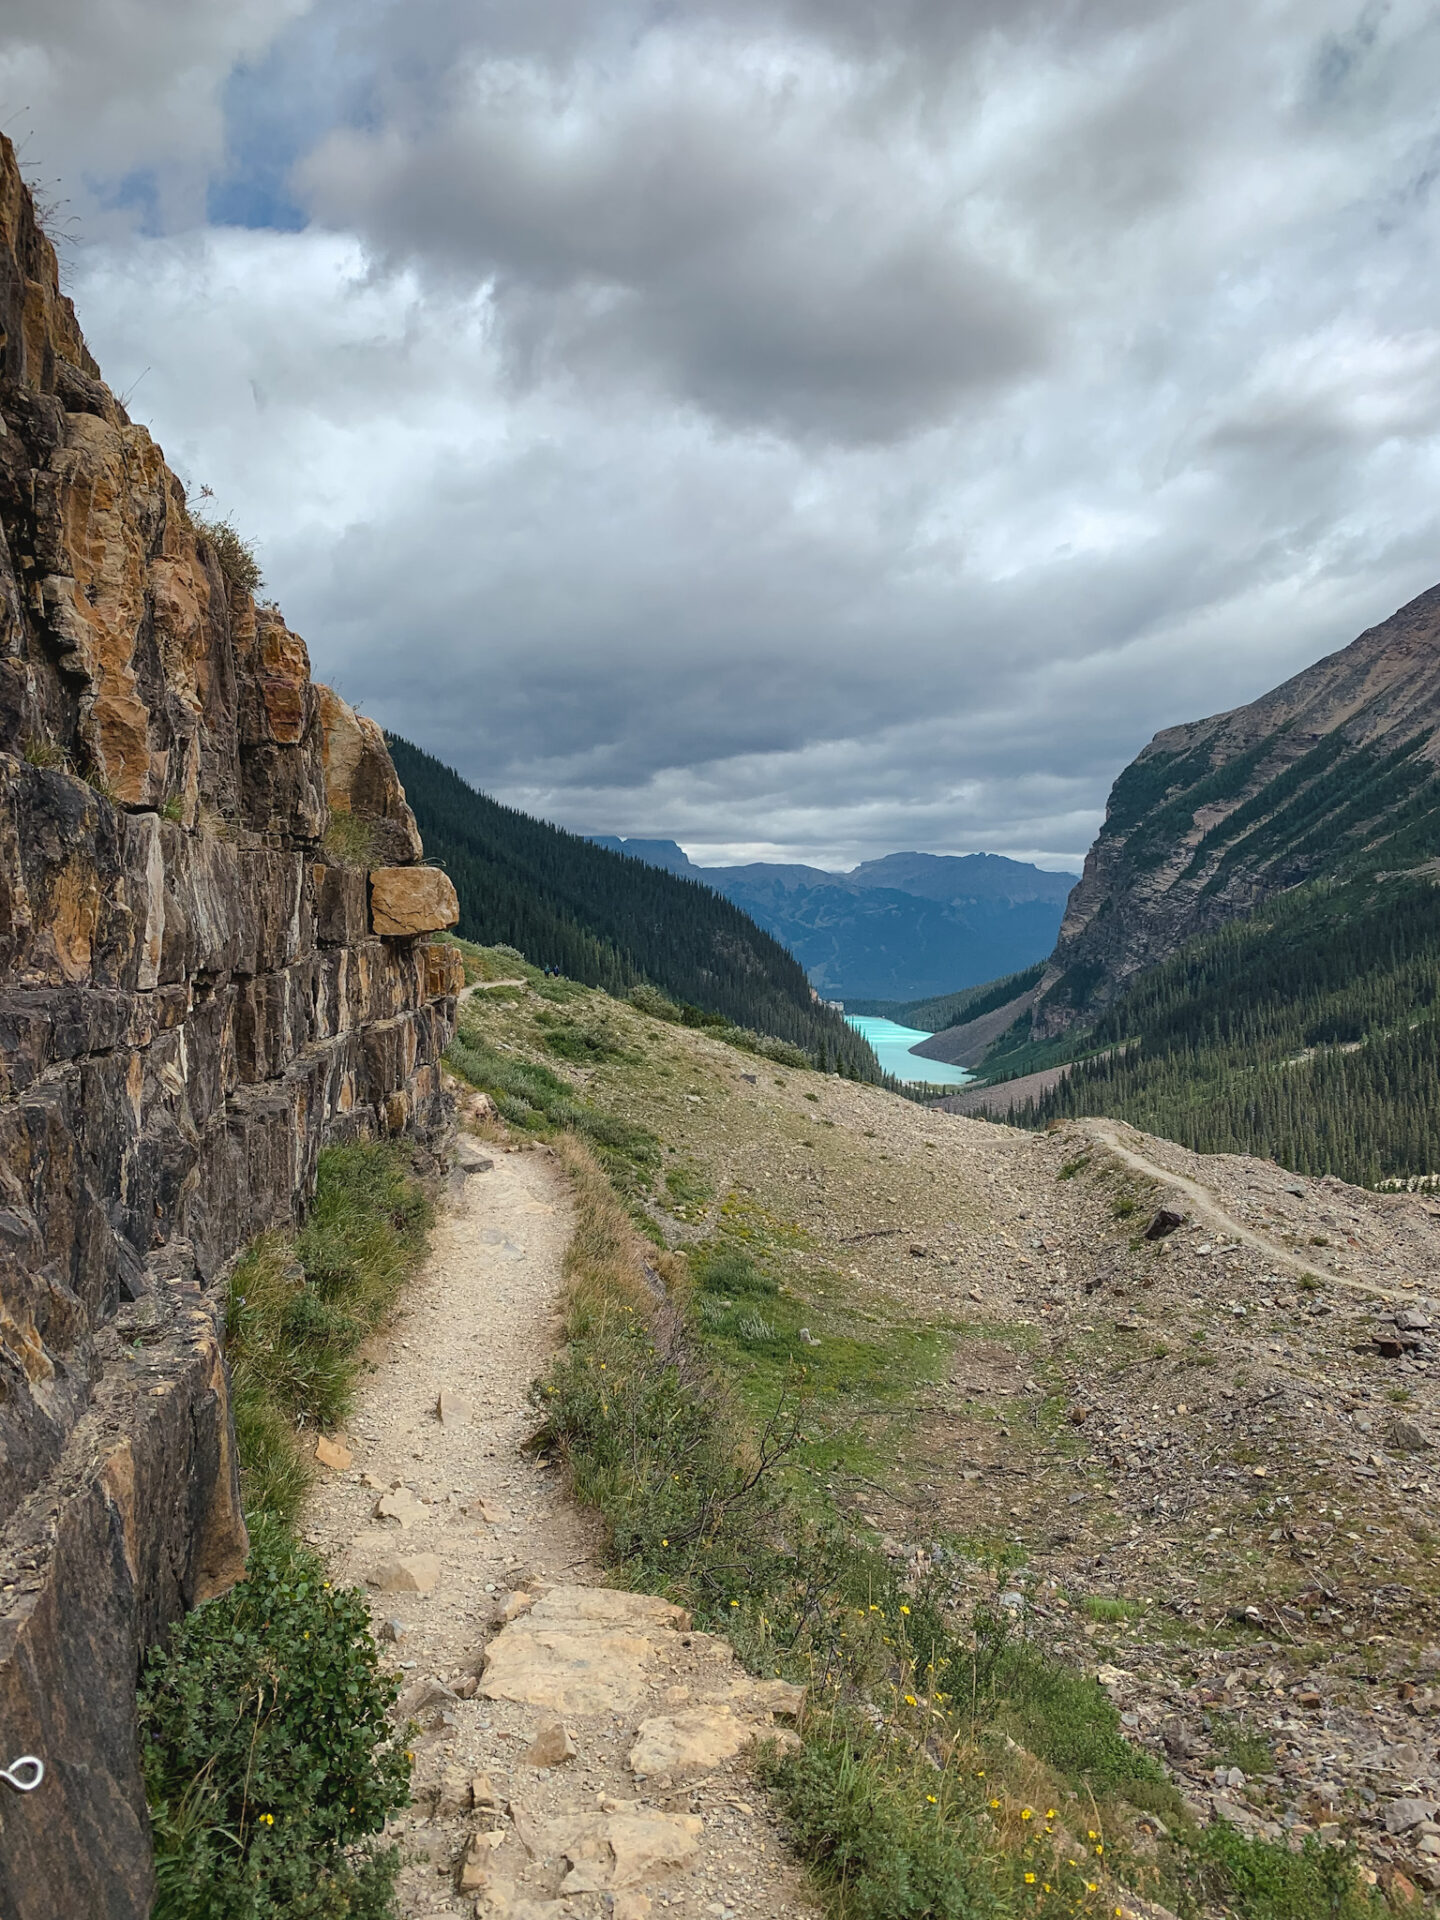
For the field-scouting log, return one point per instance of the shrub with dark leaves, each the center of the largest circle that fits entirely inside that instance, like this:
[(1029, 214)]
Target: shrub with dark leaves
[(269, 1762)]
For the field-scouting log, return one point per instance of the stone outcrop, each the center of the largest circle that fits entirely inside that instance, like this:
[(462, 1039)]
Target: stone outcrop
[(1333, 771), (407, 900), (196, 993)]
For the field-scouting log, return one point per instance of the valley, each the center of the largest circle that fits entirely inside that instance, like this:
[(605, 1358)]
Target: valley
[(1197, 1466)]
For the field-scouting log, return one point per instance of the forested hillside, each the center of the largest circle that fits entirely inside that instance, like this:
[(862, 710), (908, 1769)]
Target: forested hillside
[(1308, 1033), (946, 1010), (614, 922)]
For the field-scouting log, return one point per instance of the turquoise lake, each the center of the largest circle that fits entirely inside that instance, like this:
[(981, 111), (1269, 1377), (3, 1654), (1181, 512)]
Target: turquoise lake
[(892, 1044)]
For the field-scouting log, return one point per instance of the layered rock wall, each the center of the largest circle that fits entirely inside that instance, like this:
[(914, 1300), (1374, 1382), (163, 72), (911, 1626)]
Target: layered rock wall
[(194, 998)]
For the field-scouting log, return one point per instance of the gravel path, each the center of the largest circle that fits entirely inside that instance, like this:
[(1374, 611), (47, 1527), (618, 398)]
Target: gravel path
[(474, 1513)]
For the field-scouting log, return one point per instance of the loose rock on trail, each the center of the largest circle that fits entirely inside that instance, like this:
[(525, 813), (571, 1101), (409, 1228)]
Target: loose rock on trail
[(582, 1750)]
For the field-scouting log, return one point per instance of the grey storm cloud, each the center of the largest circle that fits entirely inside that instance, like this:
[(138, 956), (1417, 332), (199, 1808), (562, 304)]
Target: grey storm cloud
[(807, 426), (723, 243)]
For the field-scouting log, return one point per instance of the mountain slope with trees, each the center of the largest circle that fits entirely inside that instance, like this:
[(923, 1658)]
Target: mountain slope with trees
[(614, 922), (1308, 1033), (1333, 775), (1251, 962)]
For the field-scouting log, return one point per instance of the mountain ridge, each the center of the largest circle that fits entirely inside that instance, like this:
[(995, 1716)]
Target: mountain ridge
[(1332, 773), (906, 926)]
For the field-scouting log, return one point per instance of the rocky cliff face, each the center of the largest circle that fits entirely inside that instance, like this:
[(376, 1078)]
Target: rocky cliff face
[(197, 991), (1334, 773)]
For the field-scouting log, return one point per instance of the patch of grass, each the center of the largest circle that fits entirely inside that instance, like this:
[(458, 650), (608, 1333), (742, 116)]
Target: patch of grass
[(173, 810), (645, 1427), (882, 1844), (1098, 1607), (1239, 1747), (45, 753), (349, 841), (1072, 1167), (1048, 1708), (270, 1765), (298, 1312), (531, 1097)]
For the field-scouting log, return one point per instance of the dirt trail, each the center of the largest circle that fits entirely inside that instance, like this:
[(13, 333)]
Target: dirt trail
[(1109, 1134), (476, 1512)]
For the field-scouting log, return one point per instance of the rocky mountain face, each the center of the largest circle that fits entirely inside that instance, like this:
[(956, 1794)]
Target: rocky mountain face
[(1333, 773), (211, 906), (896, 928)]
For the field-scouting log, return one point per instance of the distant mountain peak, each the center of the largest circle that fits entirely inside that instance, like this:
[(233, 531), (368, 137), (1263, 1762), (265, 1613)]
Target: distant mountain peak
[(899, 927)]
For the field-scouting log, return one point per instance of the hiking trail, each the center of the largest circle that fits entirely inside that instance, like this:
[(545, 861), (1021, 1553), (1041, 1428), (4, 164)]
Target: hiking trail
[(485, 1580)]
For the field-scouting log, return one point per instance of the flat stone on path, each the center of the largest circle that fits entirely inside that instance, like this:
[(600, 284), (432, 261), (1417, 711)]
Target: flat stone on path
[(452, 1409), (410, 1573), (607, 1850), (401, 1505), (333, 1454), (552, 1746)]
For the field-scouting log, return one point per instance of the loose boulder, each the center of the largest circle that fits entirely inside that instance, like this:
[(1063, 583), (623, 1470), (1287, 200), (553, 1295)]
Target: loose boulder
[(411, 900)]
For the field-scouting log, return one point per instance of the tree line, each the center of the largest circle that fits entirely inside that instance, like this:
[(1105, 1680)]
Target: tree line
[(1308, 1033)]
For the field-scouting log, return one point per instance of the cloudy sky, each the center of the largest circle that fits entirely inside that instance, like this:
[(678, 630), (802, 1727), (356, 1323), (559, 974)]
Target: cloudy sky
[(805, 428)]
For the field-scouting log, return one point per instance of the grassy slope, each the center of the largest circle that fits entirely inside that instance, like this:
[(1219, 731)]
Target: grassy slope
[(795, 1201)]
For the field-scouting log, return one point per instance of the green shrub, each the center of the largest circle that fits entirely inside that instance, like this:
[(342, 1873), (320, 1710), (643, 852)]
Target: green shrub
[(1265, 1882), (587, 1044), (269, 1761), (234, 553)]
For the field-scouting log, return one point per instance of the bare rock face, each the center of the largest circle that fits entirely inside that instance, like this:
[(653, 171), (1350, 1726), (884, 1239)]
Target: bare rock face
[(192, 1003), (361, 780), (411, 900)]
